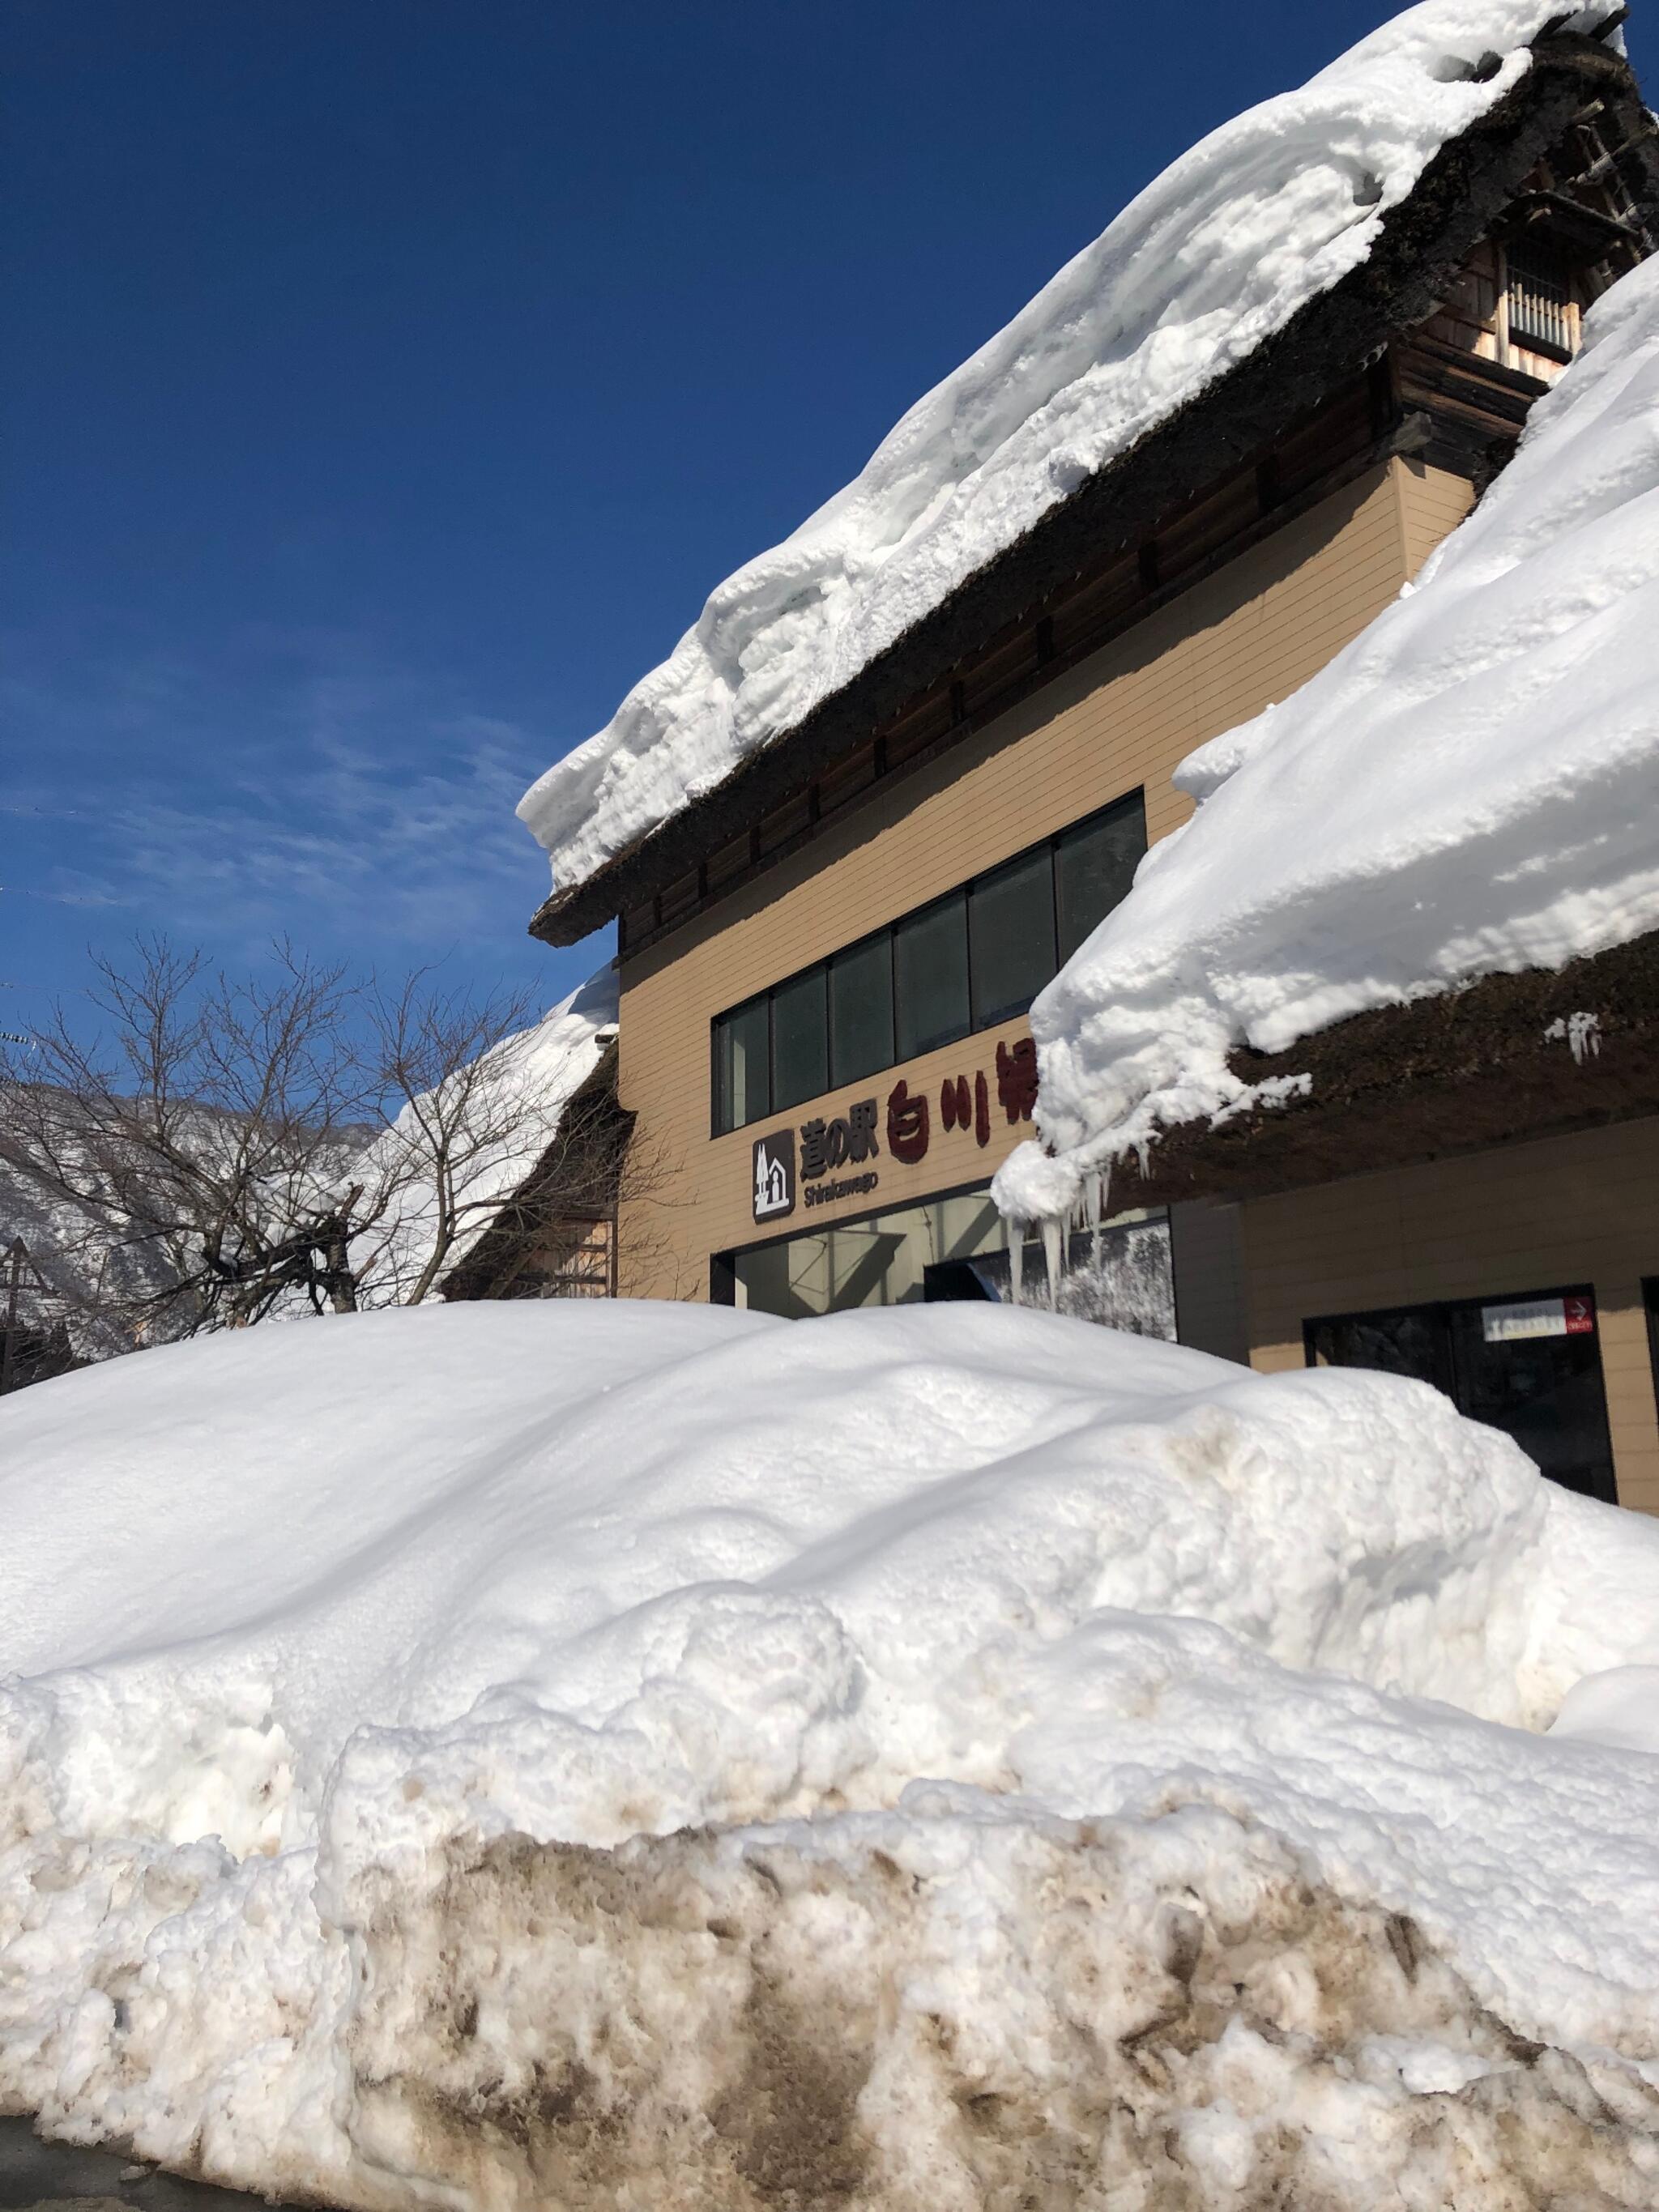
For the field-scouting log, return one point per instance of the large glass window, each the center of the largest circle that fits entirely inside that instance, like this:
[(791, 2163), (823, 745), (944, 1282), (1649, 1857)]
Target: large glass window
[(800, 1040), (1530, 1366), (1094, 865), (743, 1070), (861, 1009), (930, 976), (884, 1261), (1011, 921), (955, 1248), (975, 958)]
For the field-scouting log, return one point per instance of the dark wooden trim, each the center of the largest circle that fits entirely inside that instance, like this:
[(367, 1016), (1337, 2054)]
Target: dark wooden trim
[(1407, 437), (1460, 1072)]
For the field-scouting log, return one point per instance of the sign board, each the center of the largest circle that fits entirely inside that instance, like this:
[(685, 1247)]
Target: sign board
[(855, 1138), (775, 1175), (1572, 1316)]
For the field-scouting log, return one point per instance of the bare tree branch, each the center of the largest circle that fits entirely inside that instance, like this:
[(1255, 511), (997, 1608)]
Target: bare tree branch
[(469, 1107), (201, 1135), (226, 1149)]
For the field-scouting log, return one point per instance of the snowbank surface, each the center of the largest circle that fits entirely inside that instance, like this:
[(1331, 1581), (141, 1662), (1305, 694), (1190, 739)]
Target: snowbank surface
[(515, 1102), (586, 1754), (1467, 789), (1216, 255)]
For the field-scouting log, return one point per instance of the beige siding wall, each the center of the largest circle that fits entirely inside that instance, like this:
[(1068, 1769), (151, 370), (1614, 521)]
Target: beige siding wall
[(1215, 655), (1431, 506), (1533, 1217)]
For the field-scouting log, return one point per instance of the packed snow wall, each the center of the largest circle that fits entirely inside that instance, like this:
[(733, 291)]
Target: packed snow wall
[(568, 1754)]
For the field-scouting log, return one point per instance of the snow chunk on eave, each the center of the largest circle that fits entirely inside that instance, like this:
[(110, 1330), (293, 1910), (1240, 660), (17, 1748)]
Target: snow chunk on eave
[(1212, 257), (1466, 790)]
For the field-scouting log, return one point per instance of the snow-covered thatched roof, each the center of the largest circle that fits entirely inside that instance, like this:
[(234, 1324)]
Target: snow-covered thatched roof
[(1466, 791), (1212, 260), (510, 1107)]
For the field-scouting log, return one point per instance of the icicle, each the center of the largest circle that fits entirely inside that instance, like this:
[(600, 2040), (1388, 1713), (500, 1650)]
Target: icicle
[(1013, 1236), (1053, 1256), (1093, 1187)]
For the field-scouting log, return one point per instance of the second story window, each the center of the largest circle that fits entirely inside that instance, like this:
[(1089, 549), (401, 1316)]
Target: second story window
[(743, 1076), (930, 976), (976, 957), (1540, 299), (801, 1038), (1013, 935), (862, 1011)]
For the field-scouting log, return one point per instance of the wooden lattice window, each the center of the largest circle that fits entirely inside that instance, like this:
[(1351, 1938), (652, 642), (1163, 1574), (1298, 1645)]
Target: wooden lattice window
[(1539, 304)]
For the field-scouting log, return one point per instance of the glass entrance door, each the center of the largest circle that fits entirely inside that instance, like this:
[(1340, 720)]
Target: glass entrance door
[(1530, 1366)]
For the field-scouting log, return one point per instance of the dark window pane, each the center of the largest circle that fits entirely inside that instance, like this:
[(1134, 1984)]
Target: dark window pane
[(1010, 918), (800, 1041), (1547, 1392), (861, 1009), (743, 1085), (1410, 1340), (930, 976), (1094, 865)]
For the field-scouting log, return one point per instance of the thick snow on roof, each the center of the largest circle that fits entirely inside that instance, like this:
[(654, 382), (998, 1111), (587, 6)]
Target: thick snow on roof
[(607, 1752), (1216, 254), (513, 1104), (1467, 789)]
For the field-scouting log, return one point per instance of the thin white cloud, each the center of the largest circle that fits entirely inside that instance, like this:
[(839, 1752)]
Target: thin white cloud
[(297, 784)]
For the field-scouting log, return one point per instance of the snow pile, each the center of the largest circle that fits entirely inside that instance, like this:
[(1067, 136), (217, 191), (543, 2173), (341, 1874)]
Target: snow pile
[(1219, 252), (482, 1142), (952, 1757), (1467, 789)]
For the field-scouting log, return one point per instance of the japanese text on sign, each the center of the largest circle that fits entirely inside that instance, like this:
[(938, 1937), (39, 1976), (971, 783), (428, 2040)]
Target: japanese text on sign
[(852, 1139)]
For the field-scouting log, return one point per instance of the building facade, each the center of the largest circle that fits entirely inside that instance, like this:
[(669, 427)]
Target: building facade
[(1084, 762), (1520, 1278), (826, 959)]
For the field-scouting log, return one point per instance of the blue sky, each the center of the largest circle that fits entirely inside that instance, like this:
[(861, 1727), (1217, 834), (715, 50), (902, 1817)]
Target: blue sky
[(389, 380)]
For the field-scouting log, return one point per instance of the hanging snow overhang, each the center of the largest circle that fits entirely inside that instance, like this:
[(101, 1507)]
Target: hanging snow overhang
[(1466, 190), (1507, 1060)]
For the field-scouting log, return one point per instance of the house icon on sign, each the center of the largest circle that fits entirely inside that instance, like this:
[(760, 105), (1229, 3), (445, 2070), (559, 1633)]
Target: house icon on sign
[(774, 1174)]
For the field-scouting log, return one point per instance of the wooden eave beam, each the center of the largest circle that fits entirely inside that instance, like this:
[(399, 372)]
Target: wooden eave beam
[(1460, 1072)]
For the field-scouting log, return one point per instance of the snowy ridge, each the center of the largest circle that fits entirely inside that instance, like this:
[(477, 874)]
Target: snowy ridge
[(1220, 251), (1466, 790), (530, 1079), (674, 1758)]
